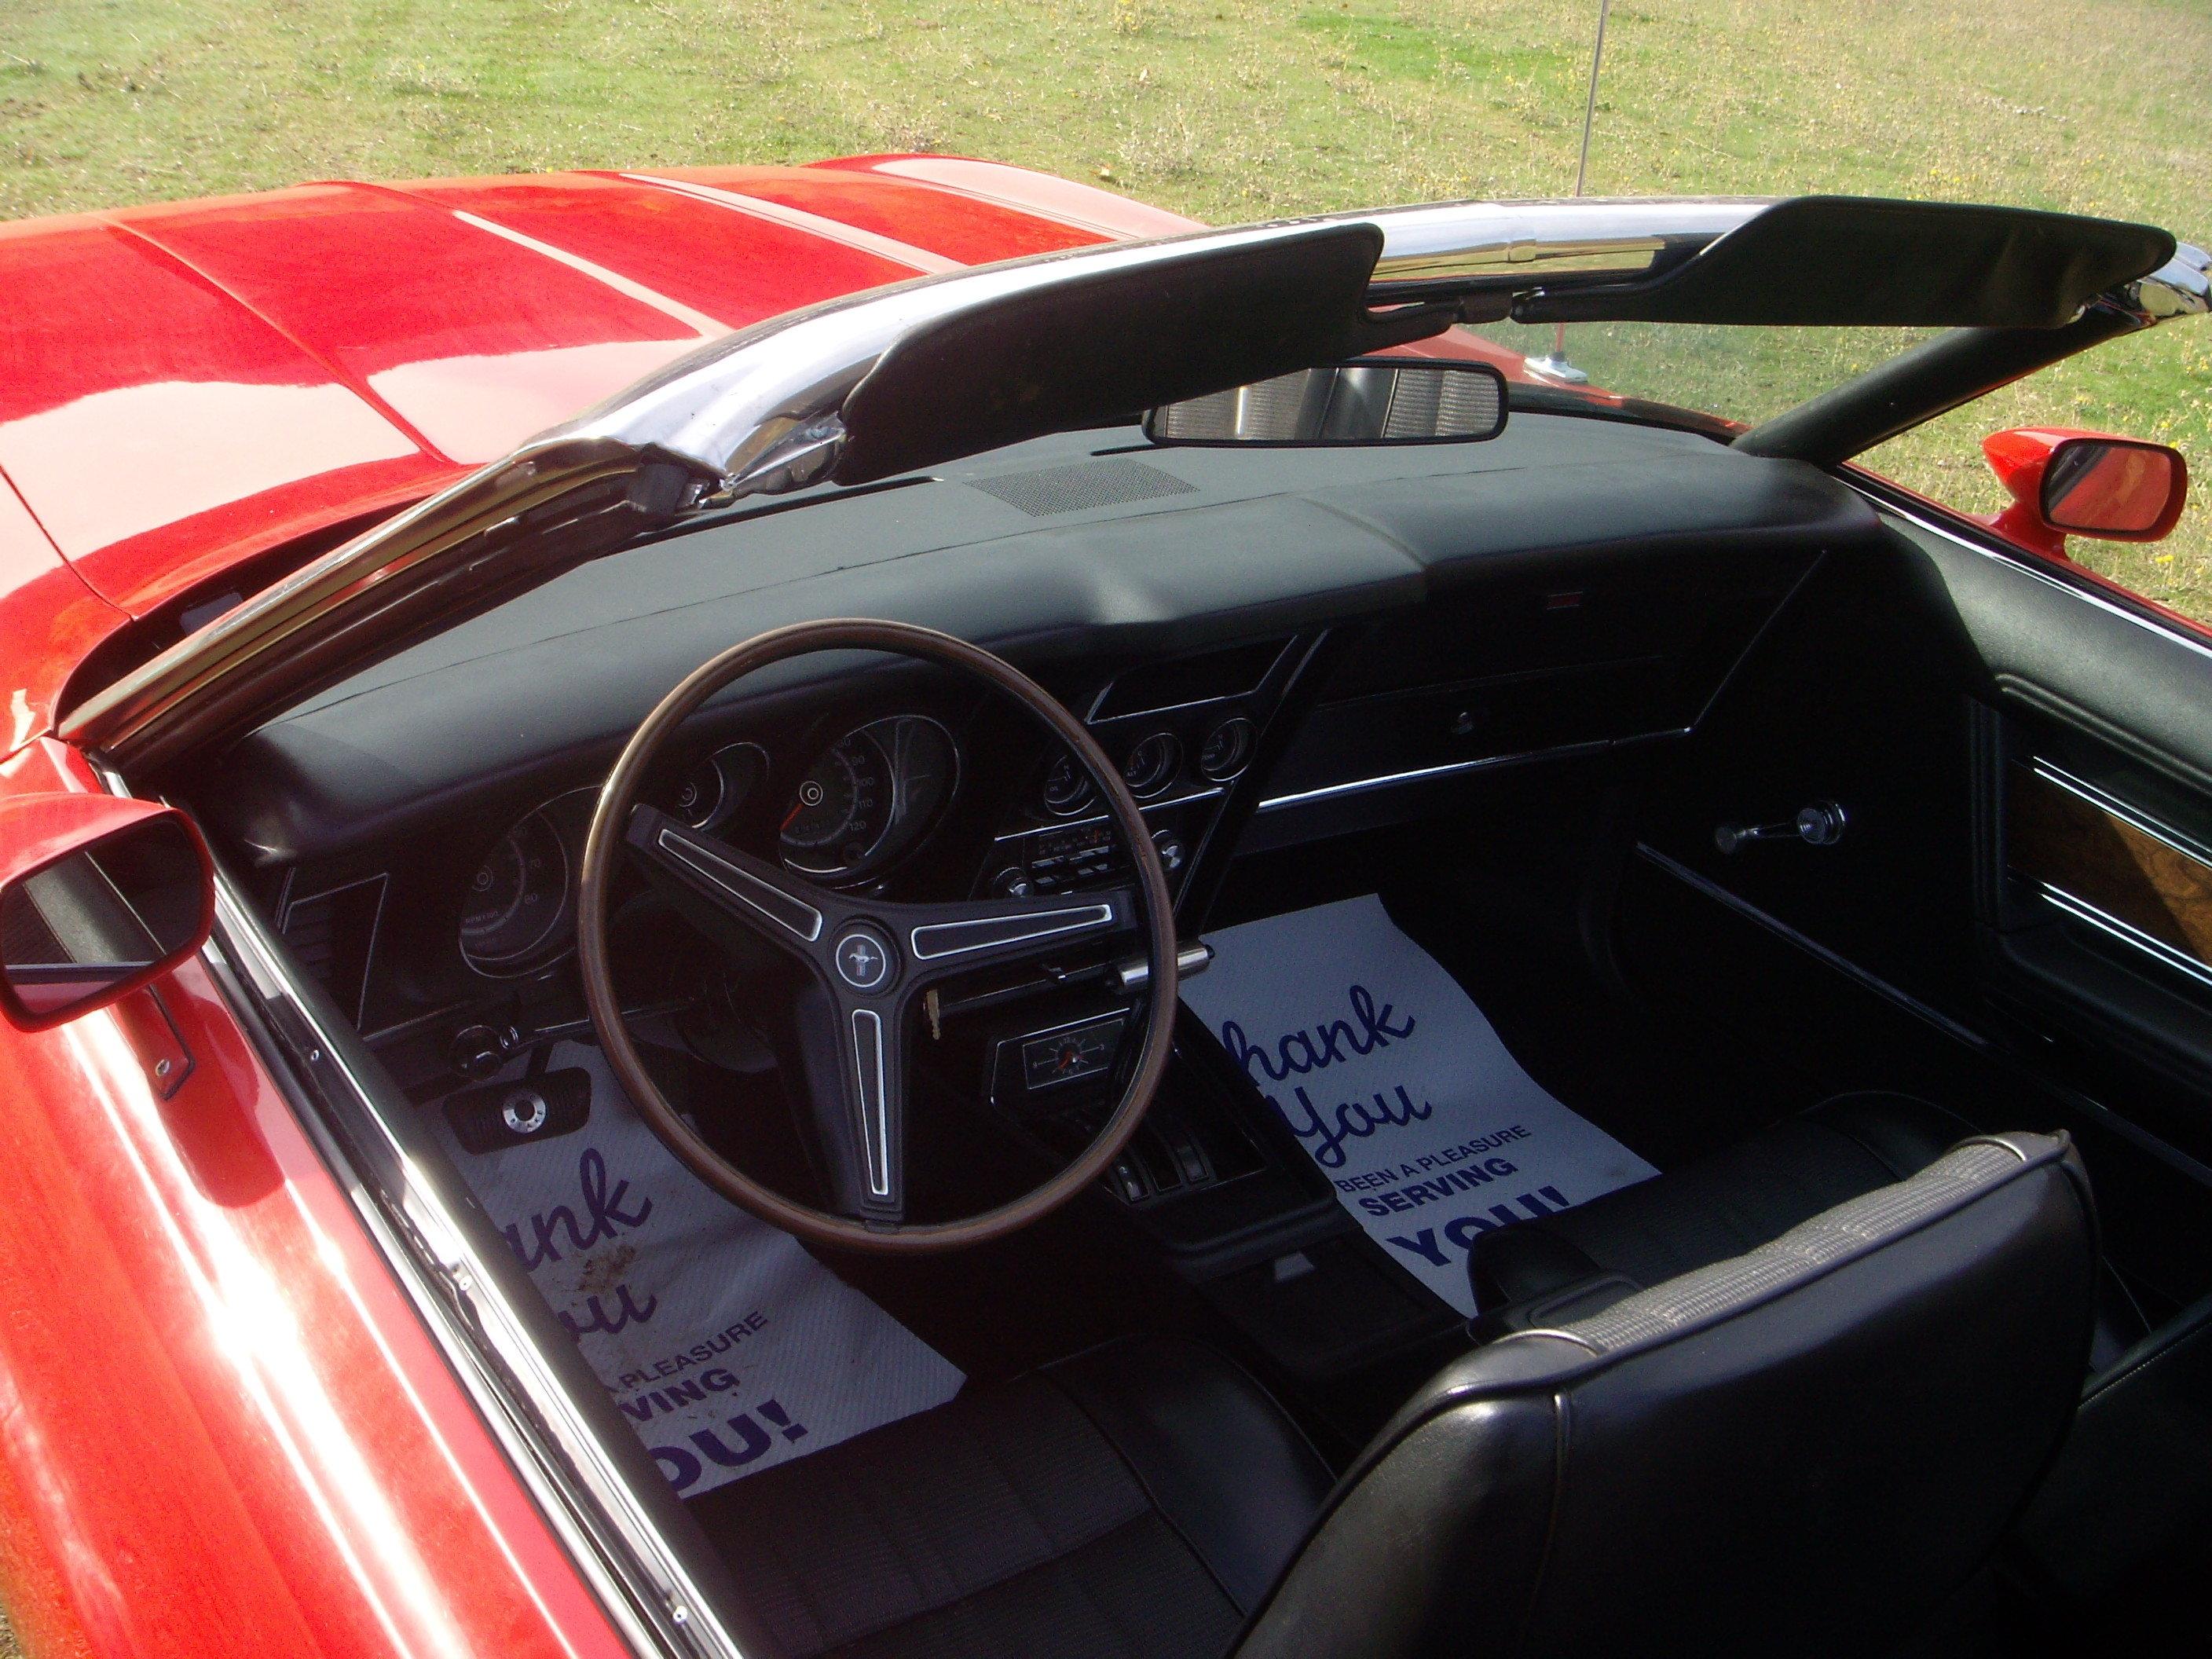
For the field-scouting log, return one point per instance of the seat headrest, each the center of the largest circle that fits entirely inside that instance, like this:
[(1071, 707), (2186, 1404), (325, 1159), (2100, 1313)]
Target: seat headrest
[(1803, 1449)]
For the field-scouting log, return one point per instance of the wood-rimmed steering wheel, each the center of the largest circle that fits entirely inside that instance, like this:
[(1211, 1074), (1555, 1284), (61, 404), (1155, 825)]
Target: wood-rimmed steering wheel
[(869, 961)]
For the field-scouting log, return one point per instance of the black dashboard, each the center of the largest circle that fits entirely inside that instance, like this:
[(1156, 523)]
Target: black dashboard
[(1272, 646)]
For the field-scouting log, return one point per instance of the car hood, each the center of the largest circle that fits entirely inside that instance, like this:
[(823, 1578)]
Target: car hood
[(192, 384)]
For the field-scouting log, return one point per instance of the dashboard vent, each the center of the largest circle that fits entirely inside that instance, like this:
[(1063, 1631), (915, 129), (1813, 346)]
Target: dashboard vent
[(1088, 484), (333, 934)]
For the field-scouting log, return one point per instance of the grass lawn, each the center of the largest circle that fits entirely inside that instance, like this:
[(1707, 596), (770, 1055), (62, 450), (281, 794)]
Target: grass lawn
[(1226, 109)]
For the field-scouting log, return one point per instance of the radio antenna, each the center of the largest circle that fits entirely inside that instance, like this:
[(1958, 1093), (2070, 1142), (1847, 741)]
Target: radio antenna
[(1554, 363)]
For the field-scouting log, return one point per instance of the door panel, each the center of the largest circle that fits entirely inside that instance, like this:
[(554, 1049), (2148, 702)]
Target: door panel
[(2026, 874), (2096, 917), (2089, 751), (2092, 763), (2093, 829)]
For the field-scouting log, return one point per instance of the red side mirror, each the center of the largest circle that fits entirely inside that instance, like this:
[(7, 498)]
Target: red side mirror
[(98, 895), (2065, 483)]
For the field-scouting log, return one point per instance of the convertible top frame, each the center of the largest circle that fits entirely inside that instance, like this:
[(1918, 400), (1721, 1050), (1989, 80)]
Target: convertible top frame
[(787, 403), (1959, 367)]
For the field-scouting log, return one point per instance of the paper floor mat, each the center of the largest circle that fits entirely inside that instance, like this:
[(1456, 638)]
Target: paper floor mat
[(727, 1348), (1397, 1086)]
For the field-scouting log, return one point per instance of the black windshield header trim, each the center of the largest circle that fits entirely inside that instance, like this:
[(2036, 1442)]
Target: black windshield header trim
[(1860, 262)]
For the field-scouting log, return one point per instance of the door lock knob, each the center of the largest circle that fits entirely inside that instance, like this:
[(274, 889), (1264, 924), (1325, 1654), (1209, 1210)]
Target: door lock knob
[(1820, 824)]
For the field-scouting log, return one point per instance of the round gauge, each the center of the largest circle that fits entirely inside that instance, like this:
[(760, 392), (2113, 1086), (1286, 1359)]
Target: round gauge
[(698, 799), (744, 769), (719, 785), (841, 809), (1152, 764), (1226, 749), (871, 797), (1066, 788), (518, 898)]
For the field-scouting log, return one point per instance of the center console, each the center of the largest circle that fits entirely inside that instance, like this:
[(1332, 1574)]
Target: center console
[(1219, 1188), (1213, 1180)]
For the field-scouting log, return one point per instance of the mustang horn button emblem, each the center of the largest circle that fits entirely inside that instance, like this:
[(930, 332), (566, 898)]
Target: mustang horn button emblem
[(864, 959)]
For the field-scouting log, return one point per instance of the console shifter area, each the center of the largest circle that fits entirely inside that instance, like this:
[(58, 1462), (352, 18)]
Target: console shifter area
[(1051, 1066)]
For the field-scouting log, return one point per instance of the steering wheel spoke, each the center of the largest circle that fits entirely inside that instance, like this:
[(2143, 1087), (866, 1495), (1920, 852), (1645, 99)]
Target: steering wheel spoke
[(764, 897), (955, 938), (870, 960), (874, 1034)]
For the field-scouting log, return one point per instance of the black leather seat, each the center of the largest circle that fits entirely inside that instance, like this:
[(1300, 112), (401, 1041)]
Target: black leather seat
[(1573, 1263), (1803, 1449), (1576, 1261), (1799, 1449)]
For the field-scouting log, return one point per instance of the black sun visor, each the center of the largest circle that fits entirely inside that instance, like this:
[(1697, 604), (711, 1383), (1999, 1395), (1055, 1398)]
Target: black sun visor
[(1847, 261), (1116, 342)]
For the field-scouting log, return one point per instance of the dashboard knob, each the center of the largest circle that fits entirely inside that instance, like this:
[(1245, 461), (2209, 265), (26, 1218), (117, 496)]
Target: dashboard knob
[(477, 1051), (1011, 882), (1170, 847)]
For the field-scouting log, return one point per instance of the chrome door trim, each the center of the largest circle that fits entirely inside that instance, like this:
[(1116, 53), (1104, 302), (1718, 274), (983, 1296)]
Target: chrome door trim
[(2114, 807), (2125, 932)]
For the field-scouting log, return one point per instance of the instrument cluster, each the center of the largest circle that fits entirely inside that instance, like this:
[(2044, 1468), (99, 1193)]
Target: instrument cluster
[(847, 812), (858, 801)]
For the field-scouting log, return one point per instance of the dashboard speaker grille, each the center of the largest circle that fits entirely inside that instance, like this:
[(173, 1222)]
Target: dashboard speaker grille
[(1090, 483)]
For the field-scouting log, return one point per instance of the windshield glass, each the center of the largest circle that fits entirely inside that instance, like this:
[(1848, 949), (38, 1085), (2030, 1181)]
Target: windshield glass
[(1743, 374)]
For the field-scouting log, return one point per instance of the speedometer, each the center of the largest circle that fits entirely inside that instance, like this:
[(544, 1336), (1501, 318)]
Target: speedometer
[(871, 797), (842, 808)]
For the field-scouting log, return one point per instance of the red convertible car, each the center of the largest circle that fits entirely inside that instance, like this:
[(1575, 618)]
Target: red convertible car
[(888, 908)]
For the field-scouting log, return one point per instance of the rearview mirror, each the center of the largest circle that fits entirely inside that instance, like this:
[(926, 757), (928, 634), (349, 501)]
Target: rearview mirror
[(2085, 483), (100, 896), (1369, 400)]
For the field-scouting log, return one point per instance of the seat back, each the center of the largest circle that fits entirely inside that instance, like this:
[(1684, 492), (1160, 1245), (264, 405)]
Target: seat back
[(1800, 1450)]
